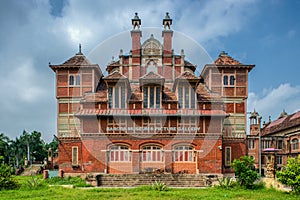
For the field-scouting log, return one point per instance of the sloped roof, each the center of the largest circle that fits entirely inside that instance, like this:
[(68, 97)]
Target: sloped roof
[(225, 59), (115, 75), (152, 75), (282, 124), (78, 59), (188, 75)]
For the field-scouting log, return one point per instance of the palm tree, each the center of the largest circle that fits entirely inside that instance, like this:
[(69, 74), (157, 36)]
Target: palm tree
[(4, 143)]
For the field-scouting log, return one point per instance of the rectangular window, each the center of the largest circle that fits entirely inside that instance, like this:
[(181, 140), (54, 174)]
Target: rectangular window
[(193, 98), (110, 97), (151, 97), (77, 79), (71, 80), (157, 97), (74, 156), (117, 97), (180, 97), (123, 97), (186, 97), (145, 97), (227, 156), (251, 144), (279, 160), (232, 79), (280, 144)]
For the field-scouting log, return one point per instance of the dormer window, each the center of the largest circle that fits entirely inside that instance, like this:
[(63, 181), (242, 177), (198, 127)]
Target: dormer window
[(152, 96), (77, 79), (117, 97), (186, 97)]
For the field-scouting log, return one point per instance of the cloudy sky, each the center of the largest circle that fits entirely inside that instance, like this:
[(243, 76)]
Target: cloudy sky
[(33, 33)]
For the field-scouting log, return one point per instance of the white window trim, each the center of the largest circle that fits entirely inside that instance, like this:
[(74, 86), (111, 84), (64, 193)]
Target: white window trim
[(190, 89), (151, 151), (191, 152), (75, 80), (226, 158), (228, 80), (74, 162), (113, 103), (154, 96)]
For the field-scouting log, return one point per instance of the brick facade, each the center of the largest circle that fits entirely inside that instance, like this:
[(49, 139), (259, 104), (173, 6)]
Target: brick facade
[(151, 113)]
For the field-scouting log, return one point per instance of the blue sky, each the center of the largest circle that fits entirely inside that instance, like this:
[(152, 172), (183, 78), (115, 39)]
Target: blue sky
[(261, 32)]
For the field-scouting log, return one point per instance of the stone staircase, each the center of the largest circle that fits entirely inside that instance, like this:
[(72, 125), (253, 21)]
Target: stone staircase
[(172, 180), (32, 170)]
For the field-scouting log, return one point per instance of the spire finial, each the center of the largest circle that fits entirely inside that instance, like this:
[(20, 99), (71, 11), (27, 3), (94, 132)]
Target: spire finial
[(79, 48)]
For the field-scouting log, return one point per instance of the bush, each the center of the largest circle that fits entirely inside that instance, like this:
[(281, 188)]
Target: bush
[(245, 171), (34, 182), (6, 179), (226, 183), (290, 175), (159, 186)]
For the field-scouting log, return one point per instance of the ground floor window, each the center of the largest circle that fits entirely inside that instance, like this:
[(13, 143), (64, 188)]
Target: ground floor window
[(183, 153), (152, 154), (74, 156), (119, 153), (227, 156)]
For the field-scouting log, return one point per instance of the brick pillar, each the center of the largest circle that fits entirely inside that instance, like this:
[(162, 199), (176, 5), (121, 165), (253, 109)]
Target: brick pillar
[(46, 174), (168, 161), (61, 173), (135, 162)]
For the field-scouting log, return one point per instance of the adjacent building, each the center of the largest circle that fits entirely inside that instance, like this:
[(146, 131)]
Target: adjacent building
[(151, 113), (279, 139)]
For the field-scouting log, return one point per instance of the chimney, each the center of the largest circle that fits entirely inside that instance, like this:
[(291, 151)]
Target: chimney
[(136, 35), (167, 34)]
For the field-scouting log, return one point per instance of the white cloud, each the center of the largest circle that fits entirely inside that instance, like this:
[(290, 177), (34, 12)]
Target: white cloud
[(272, 103)]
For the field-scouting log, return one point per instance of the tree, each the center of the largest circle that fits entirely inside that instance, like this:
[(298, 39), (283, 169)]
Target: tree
[(245, 171), (6, 179), (4, 143), (290, 175)]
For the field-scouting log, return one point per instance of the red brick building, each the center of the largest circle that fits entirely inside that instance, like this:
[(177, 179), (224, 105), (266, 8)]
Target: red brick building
[(279, 138), (151, 113)]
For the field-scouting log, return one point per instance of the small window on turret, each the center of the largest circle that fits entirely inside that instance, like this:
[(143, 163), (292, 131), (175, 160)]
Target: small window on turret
[(71, 80), (225, 80), (77, 79), (232, 79)]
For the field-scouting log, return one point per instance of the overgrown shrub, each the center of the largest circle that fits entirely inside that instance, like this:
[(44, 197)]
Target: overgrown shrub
[(159, 186), (245, 171), (6, 179), (290, 175), (226, 183), (34, 182)]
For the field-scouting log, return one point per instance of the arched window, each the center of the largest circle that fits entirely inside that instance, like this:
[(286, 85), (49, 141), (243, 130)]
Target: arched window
[(71, 80), (295, 144), (225, 80), (232, 79), (152, 153), (183, 153), (119, 153)]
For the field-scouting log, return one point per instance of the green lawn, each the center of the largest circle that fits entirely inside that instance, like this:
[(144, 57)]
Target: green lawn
[(57, 192)]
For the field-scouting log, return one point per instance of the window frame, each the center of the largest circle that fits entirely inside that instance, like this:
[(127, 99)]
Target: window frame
[(152, 96), (149, 153), (74, 155), (187, 98), (227, 160), (229, 80), (119, 153), (295, 144), (117, 96), (183, 153)]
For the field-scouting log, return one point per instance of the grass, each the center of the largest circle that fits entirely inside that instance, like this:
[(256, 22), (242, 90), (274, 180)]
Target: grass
[(143, 192)]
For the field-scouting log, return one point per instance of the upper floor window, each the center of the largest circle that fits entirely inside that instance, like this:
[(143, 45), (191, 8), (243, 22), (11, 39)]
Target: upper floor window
[(266, 144), (119, 153), (116, 97), (152, 96), (228, 80), (251, 144), (186, 97), (152, 154), (183, 153), (74, 80), (280, 144), (71, 80), (295, 144)]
